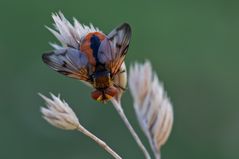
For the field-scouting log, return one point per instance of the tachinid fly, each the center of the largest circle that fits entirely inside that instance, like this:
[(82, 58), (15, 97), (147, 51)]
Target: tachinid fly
[(96, 59)]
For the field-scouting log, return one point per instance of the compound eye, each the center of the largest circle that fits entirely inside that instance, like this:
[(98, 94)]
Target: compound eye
[(111, 92), (97, 95)]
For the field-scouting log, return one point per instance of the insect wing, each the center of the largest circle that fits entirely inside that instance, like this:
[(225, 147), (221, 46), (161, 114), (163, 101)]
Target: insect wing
[(113, 49), (68, 61)]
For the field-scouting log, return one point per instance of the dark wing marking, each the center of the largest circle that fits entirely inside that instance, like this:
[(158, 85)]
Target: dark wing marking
[(113, 49), (68, 61)]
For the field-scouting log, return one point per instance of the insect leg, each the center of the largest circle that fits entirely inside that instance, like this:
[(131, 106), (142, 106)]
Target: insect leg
[(118, 86)]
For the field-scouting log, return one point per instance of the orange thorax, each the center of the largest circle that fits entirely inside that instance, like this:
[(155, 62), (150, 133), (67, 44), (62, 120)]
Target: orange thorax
[(90, 46)]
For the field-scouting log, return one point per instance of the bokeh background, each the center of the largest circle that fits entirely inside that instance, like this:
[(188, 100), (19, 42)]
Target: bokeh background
[(193, 46)]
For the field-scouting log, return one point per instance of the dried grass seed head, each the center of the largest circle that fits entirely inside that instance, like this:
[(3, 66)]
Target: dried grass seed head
[(58, 113), (152, 105), (68, 34)]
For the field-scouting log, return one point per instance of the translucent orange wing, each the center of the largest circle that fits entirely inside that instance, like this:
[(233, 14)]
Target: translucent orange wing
[(68, 61), (113, 49)]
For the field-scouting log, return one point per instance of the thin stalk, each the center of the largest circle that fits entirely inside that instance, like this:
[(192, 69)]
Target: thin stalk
[(156, 152), (120, 111), (98, 141), (157, 155)]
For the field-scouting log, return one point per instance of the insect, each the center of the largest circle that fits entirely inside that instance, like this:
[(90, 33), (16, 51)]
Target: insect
[(96, 60)]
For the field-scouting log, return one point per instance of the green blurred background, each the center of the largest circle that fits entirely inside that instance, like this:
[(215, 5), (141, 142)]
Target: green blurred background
[(193, 46)]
